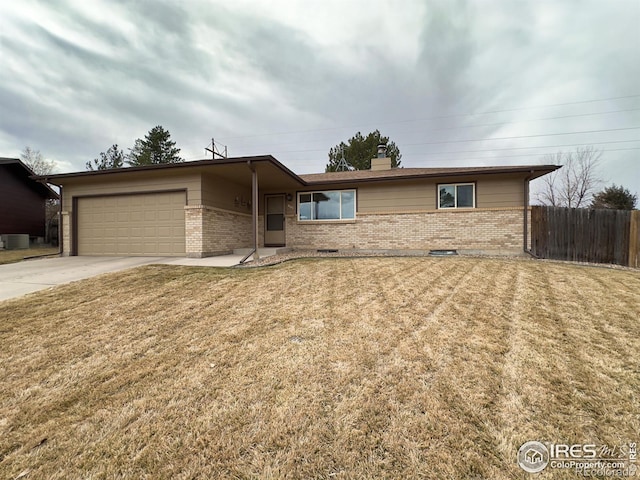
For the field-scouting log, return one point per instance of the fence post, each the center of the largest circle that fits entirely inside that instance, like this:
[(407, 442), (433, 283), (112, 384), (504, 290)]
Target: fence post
[(634, 241)]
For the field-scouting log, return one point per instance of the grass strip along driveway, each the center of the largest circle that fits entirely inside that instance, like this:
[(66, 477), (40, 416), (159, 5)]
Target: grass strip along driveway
[(336, 368), (12, 256)]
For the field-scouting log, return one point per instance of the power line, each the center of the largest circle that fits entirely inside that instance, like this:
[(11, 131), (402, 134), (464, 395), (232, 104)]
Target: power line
[(484, 139), (428, 155), (526, 136), (538, 146), (527, 154), (532, 120), (433, 118), (546, 106), (495, 124), (458, 152)]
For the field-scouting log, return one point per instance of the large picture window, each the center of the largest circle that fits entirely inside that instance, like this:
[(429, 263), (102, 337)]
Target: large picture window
[(457, 195), (327, 205)]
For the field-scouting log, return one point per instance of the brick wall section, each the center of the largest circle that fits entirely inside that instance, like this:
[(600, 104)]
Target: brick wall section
[(66, 234), (211, 231), (193, 227), (214, 231), (482, 230), (261, 231)]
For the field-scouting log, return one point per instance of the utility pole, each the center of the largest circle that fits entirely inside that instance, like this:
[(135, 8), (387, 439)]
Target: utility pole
[(343, 165), (216, 150)]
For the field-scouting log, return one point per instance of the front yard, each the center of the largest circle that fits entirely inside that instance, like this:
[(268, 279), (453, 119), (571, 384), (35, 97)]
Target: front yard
[(335, 368)]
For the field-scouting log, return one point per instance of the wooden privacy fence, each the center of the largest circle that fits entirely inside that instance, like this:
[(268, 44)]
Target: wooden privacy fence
[(585, 235)]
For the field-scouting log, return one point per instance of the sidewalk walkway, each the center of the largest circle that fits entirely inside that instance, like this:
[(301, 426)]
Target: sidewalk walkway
[(17, 279)]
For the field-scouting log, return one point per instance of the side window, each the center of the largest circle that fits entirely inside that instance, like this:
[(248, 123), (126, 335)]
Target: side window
[(457, 195), (327, 205)]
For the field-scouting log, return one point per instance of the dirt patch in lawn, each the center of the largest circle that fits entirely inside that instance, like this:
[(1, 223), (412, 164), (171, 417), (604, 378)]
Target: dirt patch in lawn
[(336, 368)]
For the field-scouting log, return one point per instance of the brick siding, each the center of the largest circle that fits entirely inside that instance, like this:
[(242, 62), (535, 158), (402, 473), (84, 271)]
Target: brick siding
[(483, 230), (214, 231), (66, 234)]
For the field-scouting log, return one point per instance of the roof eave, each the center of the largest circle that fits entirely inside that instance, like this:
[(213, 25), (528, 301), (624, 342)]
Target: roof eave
[(535, 172), (45, 189), (193, 164)]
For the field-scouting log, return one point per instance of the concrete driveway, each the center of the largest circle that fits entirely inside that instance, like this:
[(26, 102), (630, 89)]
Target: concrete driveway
[(20, 278)]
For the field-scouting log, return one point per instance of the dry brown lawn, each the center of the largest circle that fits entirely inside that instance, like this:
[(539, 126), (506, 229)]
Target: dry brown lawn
[(336, 368), (12, 256)]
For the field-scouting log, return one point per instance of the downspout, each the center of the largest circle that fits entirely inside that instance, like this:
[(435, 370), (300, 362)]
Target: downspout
[(254, 213), (526, 216)]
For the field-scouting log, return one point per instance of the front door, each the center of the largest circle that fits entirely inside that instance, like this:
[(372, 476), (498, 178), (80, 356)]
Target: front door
[(274, 221)]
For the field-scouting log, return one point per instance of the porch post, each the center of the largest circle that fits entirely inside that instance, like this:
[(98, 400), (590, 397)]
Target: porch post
[(254, 205)]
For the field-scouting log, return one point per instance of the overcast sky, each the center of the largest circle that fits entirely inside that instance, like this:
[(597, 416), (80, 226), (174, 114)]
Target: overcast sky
[(293, 78)]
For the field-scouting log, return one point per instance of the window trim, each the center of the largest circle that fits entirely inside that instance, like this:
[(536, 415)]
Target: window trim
[(455, 198), (335, 220)]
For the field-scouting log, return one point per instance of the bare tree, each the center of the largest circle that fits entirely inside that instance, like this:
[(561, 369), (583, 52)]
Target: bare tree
[(41, 166), (36, 161), (575, 183)]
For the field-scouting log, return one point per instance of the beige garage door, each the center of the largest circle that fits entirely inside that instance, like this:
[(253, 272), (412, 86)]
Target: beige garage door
[(146, 224)]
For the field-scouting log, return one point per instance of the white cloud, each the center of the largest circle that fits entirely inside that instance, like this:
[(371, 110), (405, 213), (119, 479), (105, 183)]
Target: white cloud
[(79, 76)]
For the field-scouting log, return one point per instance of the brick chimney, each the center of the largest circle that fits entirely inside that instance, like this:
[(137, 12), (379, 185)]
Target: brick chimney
[(382, 162)]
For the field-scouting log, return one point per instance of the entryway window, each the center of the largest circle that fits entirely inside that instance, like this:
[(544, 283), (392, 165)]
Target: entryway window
[(327, 205), (457, 195)]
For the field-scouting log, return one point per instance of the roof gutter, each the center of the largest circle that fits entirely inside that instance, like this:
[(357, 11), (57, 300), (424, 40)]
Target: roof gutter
[(190, 164), (545, 169)]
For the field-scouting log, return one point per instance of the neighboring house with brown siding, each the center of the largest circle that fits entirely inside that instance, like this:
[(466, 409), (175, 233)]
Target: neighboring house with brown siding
[(22, 200), (211, 207)]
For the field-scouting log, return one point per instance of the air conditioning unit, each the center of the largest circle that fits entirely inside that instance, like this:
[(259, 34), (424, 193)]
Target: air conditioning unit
[(15, 241)]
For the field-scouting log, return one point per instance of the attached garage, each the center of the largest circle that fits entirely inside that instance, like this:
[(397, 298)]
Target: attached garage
[(146, 224)]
